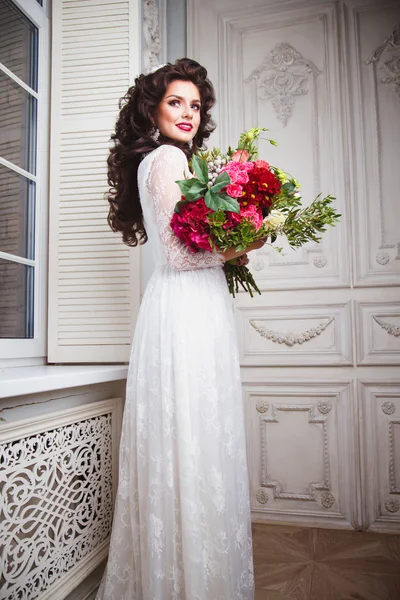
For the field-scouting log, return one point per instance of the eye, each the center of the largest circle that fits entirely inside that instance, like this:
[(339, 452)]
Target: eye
[(196, 106), (173, 102)]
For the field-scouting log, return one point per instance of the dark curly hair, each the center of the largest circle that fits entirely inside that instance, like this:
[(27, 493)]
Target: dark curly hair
[(132, 139)]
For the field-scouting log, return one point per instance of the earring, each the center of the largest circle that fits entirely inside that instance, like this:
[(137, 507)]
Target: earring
[(156, 134), (190, 144)]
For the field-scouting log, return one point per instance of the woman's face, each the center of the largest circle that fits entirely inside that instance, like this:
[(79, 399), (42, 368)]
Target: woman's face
[(178, 114)]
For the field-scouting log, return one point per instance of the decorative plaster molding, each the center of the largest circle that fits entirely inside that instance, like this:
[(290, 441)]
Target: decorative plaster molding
[(320, 261), (290, 339), (382, 258), (388, 407), (394, 488), (262, 406), (152, 36), (327, 500), (281, 77), (257, 264), (391, 329), (392, 505), (276, 485), (262, 496), (324, 406), (391, 66)]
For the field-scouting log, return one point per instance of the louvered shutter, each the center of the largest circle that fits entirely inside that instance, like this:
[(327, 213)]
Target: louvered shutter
[(94, 287)]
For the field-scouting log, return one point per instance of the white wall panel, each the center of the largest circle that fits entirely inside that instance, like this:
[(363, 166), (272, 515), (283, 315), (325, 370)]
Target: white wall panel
[(380, 436), (324, 77), (379, 328), (374, 55), (302, 451), (295, 335)]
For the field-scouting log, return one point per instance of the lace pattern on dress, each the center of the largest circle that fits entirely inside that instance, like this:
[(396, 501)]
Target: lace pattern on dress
[(168, 165)]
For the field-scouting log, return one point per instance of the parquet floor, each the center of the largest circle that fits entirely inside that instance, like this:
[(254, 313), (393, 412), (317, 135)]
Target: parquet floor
[(296, 563)]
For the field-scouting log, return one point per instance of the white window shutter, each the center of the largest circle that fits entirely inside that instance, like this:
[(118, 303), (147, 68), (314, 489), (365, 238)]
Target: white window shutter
[(94, 281)]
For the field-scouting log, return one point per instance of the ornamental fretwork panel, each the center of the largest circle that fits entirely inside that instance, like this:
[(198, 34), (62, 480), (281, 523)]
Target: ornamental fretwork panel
[(56, 498)]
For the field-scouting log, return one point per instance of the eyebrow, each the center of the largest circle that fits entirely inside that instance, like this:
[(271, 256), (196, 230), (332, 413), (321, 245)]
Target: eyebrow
[(180, 98)]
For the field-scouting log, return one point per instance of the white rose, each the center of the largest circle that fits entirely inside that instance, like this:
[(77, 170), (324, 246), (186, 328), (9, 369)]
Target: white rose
[(275, 219)]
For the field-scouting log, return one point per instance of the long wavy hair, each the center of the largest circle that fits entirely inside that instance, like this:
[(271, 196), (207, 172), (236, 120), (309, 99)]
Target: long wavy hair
[(132, 139)]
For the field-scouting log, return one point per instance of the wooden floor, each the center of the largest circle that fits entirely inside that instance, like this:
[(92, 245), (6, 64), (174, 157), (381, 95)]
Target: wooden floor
[(318, 564)]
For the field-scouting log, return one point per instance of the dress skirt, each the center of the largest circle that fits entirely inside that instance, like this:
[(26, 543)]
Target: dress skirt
[(182, 527)]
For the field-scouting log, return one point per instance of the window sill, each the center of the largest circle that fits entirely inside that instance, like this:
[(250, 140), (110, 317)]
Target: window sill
[(19, 381)]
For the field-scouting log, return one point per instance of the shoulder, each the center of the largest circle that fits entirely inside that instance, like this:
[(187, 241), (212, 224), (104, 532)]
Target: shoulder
[(167, 159), (168, 152)]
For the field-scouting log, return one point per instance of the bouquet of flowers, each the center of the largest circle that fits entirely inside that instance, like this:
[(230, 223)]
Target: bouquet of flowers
[(235, 199)]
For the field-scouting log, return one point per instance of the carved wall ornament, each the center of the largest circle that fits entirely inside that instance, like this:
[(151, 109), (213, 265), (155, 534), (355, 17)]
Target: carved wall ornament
[(290, 339), (320, 261), (391, 329), (277, 486), (55, 503), (324, 406), (382, 258), (152, 36), (388, 407), (283, 75), (262, 406), (391, 66), (262, 496), (394, 486), (392, 505), (257, 264), (327, 500)]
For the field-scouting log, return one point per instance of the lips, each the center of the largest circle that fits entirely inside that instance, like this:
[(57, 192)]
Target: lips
[(185, 126)]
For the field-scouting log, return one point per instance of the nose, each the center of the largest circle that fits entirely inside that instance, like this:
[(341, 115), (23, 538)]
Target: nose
[(187, 112)]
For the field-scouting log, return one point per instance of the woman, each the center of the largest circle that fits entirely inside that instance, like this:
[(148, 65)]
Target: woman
[(182, 517)]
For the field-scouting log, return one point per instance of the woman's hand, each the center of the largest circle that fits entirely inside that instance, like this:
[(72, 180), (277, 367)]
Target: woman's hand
[(243, 260), (230, 254)]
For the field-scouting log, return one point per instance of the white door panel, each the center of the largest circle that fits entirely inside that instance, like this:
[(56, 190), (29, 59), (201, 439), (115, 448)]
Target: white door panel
[(323, 429)]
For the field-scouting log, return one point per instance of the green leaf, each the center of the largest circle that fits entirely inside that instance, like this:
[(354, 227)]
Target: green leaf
[(192, 189), (220, 182), (288, 187), (229, 203), (200, 167), (212, 200)]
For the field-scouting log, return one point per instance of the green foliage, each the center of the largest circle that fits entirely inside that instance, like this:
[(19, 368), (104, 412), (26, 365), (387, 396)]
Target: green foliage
[(201, 169), (236, 275), (194, 188), (305, 225), (248, 139), (239, 238)]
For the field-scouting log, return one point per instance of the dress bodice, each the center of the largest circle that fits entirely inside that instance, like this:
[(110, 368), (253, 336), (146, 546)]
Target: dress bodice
[(159, 193)]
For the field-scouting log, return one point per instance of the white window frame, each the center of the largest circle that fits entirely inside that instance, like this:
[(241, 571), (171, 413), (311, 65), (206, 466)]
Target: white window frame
[(24, 352)]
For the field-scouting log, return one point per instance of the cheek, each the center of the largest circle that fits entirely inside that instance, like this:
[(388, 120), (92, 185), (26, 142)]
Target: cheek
[(164, 114)]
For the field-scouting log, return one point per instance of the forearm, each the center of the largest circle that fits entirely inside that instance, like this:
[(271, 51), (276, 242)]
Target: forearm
[(231, 253)]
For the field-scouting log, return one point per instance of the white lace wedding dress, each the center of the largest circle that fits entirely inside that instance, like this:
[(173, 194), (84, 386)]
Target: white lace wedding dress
[(181, 526)]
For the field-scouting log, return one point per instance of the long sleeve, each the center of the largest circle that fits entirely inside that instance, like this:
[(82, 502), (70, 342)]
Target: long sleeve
[(168, 166)]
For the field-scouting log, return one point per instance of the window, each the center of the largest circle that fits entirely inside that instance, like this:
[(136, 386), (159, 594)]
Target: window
[(23, 174)]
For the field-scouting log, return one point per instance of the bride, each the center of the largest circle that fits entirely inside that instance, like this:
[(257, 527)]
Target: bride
[(181, 528)]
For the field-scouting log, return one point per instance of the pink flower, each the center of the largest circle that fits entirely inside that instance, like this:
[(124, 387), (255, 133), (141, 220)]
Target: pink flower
[(252, 214), (261, 164), (240, 156), (238, 172), (234, 190)]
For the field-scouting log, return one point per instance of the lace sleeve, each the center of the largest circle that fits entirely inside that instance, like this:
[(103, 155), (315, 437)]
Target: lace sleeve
[(169, 165)]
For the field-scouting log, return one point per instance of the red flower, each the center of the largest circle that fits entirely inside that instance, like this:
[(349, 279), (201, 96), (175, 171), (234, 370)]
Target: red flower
[(191, 226), (262, 186)]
